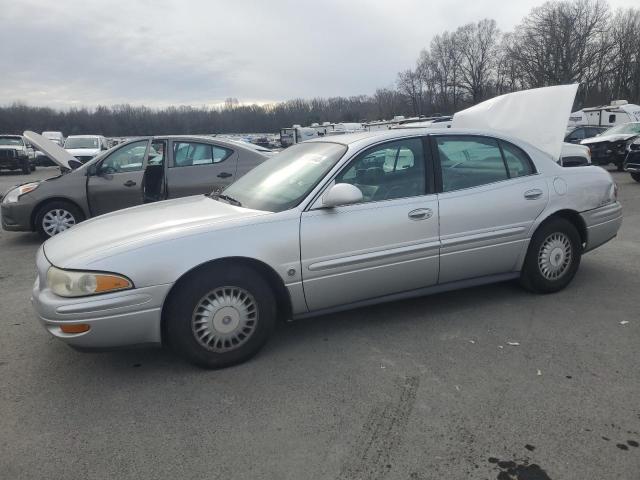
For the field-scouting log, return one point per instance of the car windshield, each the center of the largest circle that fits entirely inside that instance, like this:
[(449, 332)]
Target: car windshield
[(627, 128), (81, 142), (284, 180), (10, 141)]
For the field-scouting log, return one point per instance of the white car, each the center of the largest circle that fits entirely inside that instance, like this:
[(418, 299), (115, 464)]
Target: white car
[(85, 147)]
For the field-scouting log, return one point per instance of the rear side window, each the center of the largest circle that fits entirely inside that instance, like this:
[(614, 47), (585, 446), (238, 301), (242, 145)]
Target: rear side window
[(188, 154), (517, 161), (467, 161)]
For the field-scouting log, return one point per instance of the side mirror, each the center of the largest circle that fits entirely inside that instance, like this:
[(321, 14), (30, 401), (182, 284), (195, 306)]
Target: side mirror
[(341, 194)]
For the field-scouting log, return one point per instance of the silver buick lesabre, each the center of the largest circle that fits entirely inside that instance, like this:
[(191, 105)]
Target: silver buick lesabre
[(326, 225)]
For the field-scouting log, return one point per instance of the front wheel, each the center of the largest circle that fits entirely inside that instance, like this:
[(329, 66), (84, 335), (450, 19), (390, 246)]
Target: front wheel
[(635, 176), (220, 315), (26, 168), (56, 217), (553, 257)]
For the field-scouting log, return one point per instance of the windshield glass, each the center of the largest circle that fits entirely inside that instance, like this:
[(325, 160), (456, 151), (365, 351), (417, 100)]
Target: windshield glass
[(633, 128), (284, 180), (10, 141), (80, 142)]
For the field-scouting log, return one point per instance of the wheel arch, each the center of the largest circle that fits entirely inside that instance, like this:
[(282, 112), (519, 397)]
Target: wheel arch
[(283, 299), (41, 203), (571, 216)]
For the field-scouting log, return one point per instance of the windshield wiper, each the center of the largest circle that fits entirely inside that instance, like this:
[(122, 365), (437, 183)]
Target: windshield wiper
[(227, 198)]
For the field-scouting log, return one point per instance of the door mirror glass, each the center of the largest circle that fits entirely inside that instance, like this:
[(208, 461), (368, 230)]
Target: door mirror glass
[(342, 194)]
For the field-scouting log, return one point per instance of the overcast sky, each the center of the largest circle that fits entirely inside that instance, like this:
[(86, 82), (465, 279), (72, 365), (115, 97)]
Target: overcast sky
[(63, 53)]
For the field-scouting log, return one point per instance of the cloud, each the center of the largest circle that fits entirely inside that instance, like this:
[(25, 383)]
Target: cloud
[(73, 52)]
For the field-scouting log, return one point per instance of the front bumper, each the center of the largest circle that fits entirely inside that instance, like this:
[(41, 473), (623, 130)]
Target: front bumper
[(119, 319), (602, 224), (16, 217)]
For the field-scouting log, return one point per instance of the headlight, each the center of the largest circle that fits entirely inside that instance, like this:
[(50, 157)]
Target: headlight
[(67, 283), (634, 144), (14, 195)]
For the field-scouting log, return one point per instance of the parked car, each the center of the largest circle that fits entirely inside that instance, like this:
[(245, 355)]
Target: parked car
[(85, 147), (55, 137), (326, 225), (16, 154), (611, 145), (632, 160), (579, 133), (573, 155), (139, 171)]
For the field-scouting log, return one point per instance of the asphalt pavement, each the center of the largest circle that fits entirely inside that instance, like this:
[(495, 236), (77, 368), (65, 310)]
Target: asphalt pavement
[(485, 383)]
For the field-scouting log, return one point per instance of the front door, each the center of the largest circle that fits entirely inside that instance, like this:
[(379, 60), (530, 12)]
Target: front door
[(117, 182), (386, 244), (199, 167), (490, 197)]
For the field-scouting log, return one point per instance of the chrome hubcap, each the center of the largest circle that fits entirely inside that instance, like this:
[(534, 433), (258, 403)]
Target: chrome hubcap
[(224, 319), (56, 221), (555, 256)]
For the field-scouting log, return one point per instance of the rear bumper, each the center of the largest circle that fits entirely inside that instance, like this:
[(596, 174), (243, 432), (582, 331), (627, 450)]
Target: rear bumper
[(602, 224)]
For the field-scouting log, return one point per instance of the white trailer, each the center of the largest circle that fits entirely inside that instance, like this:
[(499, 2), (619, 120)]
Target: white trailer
[(618, 112)]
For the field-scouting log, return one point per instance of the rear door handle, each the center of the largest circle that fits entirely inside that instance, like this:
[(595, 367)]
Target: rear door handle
[(533, 194), (225, 175), (420, 214), (129, 183)]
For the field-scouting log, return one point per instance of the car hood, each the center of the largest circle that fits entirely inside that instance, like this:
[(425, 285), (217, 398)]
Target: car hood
[(538, 116), (55, 152), (83, 152), (616, 137), (135, 227)]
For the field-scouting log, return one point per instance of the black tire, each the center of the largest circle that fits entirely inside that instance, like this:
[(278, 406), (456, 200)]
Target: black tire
[(620, 167), (33, 167), (26, 168), (635, 176), (198, 286), (532, 277), (75, 212)]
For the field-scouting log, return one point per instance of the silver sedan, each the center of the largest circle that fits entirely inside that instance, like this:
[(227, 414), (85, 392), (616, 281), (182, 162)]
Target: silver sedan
[(326, 225)]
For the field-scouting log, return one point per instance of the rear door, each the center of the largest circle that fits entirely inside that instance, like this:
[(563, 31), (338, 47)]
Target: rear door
[(199, 168), (490, 195), (117, 181)]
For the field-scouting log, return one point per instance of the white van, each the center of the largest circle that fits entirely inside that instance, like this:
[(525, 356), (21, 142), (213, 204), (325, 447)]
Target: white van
[(85, 147)]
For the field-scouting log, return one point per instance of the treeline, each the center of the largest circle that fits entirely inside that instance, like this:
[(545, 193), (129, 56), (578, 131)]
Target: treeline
[(560, 42)]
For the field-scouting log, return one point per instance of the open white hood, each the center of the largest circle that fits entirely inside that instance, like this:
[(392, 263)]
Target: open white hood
[(52, 150), (538, 116)]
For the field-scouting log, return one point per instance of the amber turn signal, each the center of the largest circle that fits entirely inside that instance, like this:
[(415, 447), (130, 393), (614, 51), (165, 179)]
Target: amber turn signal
[(75, 328)]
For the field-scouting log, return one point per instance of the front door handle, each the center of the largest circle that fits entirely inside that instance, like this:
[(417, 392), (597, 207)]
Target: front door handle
[(420, 214), (129, 183), (533, 194), (225, 175)]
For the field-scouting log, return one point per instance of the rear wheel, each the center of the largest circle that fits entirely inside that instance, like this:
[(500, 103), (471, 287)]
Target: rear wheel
[(553, 257), (636, 176), (56, 217), (220, 315)]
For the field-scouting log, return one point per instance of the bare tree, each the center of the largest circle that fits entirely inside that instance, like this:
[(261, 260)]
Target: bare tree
[(477, 43)]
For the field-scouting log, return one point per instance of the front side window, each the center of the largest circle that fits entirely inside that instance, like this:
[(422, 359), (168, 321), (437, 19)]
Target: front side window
[(468, 161), (577, 134), (188, 154), (388, 171), (129, 158)]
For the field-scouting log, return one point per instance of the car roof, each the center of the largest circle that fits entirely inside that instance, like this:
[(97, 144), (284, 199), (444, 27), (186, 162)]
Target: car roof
[(369, 137)]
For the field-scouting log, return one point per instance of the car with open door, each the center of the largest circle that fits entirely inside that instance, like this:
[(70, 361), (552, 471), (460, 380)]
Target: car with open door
[(142, 170)]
